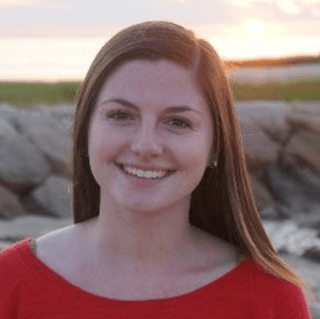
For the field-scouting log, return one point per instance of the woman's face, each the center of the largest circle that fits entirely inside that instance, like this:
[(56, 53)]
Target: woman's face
[(150, 136)]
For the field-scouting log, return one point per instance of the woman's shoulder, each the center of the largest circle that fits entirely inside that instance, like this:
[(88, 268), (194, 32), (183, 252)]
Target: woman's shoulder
[(14, 262), (12, 254), (51, 248)]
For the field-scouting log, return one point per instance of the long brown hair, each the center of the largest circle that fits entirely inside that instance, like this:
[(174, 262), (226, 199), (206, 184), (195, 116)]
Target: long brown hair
[(223, 203)]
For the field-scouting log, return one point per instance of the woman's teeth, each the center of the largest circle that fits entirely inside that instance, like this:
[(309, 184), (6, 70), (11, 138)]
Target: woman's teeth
[(144, 174)]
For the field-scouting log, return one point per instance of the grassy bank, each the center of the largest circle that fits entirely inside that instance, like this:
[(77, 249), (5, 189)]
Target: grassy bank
[(303, 90), (27, 94)]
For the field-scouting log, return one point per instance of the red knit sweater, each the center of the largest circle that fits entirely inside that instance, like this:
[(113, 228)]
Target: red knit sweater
[(31, 290)]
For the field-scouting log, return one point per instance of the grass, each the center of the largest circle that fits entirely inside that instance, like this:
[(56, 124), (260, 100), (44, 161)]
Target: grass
[(26, 94), (302, 90)]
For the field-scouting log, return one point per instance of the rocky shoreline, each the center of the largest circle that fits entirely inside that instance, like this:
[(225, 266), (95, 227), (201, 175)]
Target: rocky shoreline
[(282, 143)]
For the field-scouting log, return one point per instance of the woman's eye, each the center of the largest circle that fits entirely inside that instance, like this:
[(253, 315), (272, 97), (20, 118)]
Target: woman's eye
[(180, 123), (123, 116), (119, 115)]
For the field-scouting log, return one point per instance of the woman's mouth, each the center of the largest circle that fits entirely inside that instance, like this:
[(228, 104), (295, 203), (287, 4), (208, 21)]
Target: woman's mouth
[(145, 174)]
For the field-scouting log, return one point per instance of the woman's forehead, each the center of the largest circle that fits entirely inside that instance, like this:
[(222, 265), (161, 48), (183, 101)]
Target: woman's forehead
[(143, 75), (159, 83)]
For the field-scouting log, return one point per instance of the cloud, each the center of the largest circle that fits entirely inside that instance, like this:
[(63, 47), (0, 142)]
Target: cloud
[(41, 4), (182, 1), (55, 30), (275, 28), (249, 3), (290, 7), (316, 12), (288, 28)]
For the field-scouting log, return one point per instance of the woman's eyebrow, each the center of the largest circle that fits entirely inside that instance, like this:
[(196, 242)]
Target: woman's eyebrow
[(170, 109)]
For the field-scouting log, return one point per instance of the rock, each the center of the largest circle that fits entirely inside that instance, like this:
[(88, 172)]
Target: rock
[(22, 165), (271, 213), (49, 135), (315, 310), (32, 206), (285, 181), (308, 270), (313, 253), (35, 143), (287, 191), (63, 113), (10, 205), (29, 226), (8, 111), (263, 129), (262, 196), (305, 122), (287, 237), (303, 175), (310, 108), (260, 150), (310, 219), (268, 117), (299, 161), (305, 145), (55, 196)]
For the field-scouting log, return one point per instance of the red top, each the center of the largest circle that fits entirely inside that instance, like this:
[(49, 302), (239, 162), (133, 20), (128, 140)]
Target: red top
[(29, 289)]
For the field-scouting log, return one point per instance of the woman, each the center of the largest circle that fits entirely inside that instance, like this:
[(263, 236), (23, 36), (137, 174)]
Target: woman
[(165, 224)]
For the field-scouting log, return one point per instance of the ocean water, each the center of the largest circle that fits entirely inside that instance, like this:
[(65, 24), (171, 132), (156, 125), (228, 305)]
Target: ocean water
[(277, 74)]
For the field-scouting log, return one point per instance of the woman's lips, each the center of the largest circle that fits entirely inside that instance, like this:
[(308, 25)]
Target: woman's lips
[(145, 169), (169, 172)]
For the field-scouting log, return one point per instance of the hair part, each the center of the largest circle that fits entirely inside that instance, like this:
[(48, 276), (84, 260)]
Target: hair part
[(223, 203)]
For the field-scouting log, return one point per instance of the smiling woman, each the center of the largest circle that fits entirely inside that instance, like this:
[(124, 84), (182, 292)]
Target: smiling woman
[(165, 223), (149, 139)]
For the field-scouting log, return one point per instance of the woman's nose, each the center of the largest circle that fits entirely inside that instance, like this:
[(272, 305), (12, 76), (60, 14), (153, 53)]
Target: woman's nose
[(146, 142)]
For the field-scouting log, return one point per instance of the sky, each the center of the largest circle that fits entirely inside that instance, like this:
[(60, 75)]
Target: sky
[(53, 40)]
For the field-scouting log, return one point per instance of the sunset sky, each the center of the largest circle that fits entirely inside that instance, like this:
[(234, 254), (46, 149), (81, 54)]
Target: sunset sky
[(57, 40)]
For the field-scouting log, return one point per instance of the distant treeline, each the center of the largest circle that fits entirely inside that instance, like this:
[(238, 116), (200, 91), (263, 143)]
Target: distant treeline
[(273, 62)]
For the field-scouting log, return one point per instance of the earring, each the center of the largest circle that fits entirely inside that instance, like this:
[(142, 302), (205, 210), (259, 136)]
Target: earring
[(213, 164)]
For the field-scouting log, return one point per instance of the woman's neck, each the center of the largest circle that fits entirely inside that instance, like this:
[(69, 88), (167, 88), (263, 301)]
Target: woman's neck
[(152, 243)]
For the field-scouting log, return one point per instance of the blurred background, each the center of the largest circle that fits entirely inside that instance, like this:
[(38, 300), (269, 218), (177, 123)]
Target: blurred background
[(57, 40), (271, 50)]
